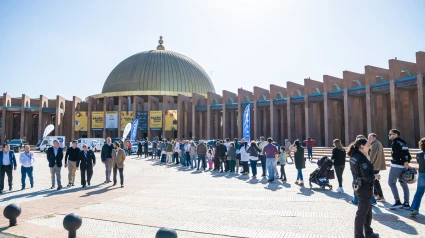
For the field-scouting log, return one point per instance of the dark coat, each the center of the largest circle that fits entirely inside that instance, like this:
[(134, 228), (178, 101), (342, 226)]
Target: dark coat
[(55, 160), (86, 161), (299, 158), (12, 158), (221, 151)]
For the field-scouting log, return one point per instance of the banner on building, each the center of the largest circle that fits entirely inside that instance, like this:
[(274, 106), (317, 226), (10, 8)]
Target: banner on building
[(80, 121), (246, 125), (111, 120), (97, 121), (134, 127), (170, 120), (143, 121), (126, 117), (155, 120)]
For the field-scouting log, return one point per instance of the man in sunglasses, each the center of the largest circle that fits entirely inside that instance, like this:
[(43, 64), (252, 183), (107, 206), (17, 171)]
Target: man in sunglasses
[(399, 163)]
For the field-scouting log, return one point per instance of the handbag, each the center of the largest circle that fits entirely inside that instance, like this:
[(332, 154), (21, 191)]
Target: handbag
[(330, 174)]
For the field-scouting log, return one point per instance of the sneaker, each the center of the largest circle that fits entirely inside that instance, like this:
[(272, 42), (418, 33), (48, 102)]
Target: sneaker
[(32, 185), (340, 190), (284, 180), (69, 185), (301, 184), (59, 187), (373, 203), (296, 182), (373, 235), (406, 206), (380, 199), (414, 213), (397, 205)]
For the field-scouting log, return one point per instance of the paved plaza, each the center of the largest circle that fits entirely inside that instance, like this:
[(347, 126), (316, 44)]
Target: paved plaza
[(196, 204)]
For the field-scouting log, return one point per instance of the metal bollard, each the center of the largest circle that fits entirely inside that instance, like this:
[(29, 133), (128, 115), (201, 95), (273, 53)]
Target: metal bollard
[(72, 222), (166, 232), (12, 212)]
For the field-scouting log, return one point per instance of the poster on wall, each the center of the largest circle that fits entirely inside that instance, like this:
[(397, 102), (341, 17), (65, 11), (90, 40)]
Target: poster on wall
[(80, 121), (111, 120), (126, 117), (143, 121), (97, 121), (155, 120), (170, 120)]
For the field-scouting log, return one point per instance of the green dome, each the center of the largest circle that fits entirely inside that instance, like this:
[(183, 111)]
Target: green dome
[(158, 72)]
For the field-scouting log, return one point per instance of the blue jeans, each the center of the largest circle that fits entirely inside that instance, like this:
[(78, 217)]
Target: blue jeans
[(193, 161), (355, 200), (300, 175), (201, 158), (270, 167), (253, 167), (419, 192), (24, 172), (310, 153)]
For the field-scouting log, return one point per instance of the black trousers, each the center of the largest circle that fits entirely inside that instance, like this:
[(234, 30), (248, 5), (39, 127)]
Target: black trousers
[(282, 171), (263, 164), (121, 170), (339, 170), (6, 169), (377, 187), (176, 155), (146, 152), (363, 218), (86, 169), (245, 167)]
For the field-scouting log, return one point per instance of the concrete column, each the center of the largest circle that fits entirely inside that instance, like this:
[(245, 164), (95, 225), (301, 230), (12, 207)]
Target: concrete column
[(216, 125), (256, 119), (239, 119), (308, 118), (291, 120), (194, 122), (233, 124), (209, 123), (348, 117), (395, 97), (384, 123), (283, 133), (329, 120), (225, 118), (421, 108), (370, 110), (201, 126), (274, 121)]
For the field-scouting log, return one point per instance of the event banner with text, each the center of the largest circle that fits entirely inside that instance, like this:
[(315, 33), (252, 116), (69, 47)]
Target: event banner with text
[(111, 120), (97, 121), (80, 121), (126, 117), (170, 120), (155, 120)]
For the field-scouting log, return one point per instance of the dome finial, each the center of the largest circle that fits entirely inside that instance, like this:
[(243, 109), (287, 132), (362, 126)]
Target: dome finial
[(160, 46)]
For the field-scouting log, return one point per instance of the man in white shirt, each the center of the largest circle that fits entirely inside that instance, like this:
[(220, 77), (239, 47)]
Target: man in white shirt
[(27, 161)]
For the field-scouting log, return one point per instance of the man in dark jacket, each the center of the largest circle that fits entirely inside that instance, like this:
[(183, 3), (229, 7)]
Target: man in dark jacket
[(221, 151), (201, 151), (71, 157), (106, 157), (86, 160), (399, 163), (55, 157), (7, 165), (146, 148)]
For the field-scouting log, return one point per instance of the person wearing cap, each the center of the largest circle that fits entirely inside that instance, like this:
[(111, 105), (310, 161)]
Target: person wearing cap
[(71, 157)]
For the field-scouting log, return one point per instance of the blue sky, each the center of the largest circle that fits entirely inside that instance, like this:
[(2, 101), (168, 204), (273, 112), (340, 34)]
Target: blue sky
[(69, 47)]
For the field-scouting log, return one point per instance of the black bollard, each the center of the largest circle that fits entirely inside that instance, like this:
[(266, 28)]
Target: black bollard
[(72, 222), (11, 212), (166, 233)]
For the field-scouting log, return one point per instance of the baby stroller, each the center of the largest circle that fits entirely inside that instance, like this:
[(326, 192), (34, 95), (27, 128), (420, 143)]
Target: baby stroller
[(320, 175)]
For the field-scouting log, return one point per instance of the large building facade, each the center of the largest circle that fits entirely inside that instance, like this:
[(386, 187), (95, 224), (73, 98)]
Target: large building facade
[(155, 85)]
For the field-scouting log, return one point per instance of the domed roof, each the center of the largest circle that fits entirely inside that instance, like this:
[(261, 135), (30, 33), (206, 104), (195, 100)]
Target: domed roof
[(158, 72)]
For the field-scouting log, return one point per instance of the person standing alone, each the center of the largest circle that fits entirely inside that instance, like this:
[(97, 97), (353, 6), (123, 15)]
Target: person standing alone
[(86, 161), (71, 157), (27, 160), (7, 165), (106, 157), (55, 157), (309, 144), (377, 158), (118, 157)]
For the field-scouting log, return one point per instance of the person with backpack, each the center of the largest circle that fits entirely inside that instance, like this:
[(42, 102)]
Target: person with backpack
[(399, 163)]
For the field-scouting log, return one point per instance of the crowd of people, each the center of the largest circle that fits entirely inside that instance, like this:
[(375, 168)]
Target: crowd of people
[(366, 155)]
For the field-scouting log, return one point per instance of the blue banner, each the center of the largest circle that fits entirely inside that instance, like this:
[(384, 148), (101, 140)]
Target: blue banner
[(133, 132), (246, 123)]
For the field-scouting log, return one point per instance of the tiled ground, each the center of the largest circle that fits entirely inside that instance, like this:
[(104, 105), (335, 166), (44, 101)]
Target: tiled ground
[(197, 204)]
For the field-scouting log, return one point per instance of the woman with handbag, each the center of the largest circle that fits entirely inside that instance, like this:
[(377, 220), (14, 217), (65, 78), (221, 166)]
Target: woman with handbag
[(299, 161), (231, 157)]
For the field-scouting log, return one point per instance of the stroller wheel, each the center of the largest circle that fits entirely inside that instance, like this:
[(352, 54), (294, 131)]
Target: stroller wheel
[(330, 187), (322, 187)]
